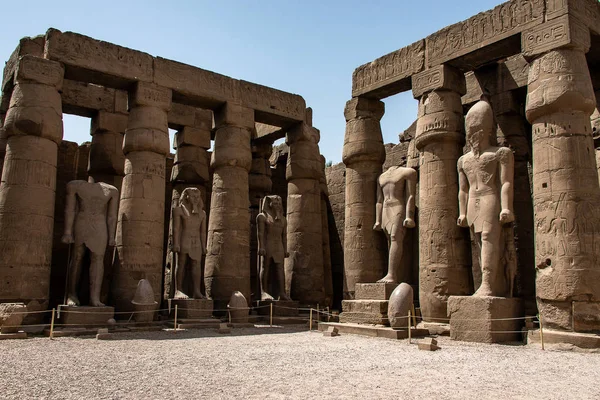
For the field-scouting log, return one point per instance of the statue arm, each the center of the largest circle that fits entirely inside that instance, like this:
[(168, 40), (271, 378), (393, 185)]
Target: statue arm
[(176, 230), (70, 210), (111, 220), (378, 207), (203, 232), (411, 189), (507, 172), (463, 195), (260, 236)]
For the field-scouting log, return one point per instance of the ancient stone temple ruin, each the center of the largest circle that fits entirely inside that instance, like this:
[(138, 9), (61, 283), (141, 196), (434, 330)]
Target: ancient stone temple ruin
[(534, 64), (183, 226)]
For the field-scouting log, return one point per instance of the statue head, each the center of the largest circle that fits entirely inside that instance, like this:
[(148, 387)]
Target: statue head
[(192, 197), (479, 125), (272, 205)]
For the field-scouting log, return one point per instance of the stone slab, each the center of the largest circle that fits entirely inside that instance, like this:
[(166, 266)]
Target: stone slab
[(435, 328), (365, 306), (286, 320), (564, 340), (192, 308), (85, 316), (281, 308), (363, 318), (373, 291), (372, 331), (586, 316), (15, 335), (485, 319)]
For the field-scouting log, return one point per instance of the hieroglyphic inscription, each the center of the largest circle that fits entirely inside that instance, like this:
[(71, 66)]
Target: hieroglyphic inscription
[(558, 32), (587, 11), (483, 29), (389, 69), (438, 77)]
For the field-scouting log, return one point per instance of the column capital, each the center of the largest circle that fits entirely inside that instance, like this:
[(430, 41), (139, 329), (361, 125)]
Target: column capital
[(190, 136), (33, 69), (232, 114), (362, 107), (440, 77), (150, 95), (562, 32)]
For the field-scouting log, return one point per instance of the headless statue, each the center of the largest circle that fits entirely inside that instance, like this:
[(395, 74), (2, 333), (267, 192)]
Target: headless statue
[(189, 241), (272, 245), (485, 197), (394, 213), (90, 223)]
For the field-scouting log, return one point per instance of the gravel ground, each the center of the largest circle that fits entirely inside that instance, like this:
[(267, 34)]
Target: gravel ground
[(283, 363)]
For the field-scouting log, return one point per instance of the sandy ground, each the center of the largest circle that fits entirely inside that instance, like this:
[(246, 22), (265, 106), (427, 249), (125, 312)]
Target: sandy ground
[(283, 363)]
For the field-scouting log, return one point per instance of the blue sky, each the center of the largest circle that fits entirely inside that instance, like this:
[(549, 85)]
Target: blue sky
[(309, 47)]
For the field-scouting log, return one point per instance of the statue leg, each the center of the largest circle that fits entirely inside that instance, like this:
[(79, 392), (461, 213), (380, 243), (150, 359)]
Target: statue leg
[(490, 260), (96, 275), (265, 270), (179, 273), (197, 278), (74, 275), (395, 240), (281, 282)]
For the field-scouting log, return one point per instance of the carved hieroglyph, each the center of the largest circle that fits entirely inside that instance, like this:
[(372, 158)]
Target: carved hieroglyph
[(395, 211), (189, 242), (485, 198), (90, 225), (272, 246)]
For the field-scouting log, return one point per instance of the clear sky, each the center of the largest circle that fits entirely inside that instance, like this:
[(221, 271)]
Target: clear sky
[(308, 47)]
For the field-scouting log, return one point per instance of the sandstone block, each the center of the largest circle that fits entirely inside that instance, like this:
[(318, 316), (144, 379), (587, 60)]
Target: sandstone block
[(224, 328), (232, 114), (272, 102), (40, 70), (374, 291), (86, 316), (331, 332), (109, 122), (438, 77), (485, 319), (11, 317), (365, 306), (192, 308), (429, 344), (152, 95), (363, 318), (586, 316), (559, 32), (238, 308), (189, 136), (27, 45)]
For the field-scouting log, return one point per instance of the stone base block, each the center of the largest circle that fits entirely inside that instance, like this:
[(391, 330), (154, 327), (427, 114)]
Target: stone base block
[(363, 318), (428, 345), (281, 308), (561, 340), (485, 319), (374, 291), (199, 323), (372, 331), (192, 308), (83, 316), (435, 328), (365, 306), (586, 316), (14, 335)]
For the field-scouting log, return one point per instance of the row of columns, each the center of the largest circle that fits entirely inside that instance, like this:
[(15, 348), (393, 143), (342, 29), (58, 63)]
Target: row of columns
[(563, 211), (33, 130)]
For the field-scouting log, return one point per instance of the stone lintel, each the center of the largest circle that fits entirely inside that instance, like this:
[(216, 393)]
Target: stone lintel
[(389, 75), (86, 99), (362, 107), (563, 31), (27, 45), (150, 95), (181, 115), (272, 105), (109, 122), (232, 114), (438, 77), (38, 70)]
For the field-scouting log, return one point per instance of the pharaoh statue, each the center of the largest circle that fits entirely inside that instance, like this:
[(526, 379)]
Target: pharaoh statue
[(272, 246), (189, 242), (485, 198), (90, 224), (394, 213)]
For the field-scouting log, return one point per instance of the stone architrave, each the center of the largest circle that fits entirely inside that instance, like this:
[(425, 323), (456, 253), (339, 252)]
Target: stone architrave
[(140, 226), (272, 247), (395, 210), (443, 248), (304, 267), (33, 127), (107, 160), (228, 256), (363, 155), (485, 199), (566, 194), (90, 226)]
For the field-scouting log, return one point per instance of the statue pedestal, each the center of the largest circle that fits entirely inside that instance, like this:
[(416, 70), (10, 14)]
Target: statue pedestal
[(281, 308), (192, 308), (485, 319), (83, 316), (370, 305)]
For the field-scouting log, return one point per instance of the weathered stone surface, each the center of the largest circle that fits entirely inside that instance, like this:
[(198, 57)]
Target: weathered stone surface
[(586, 316), (365, 306), (181, 116), (193, 308), (11, 317), (586, 11), (400, 303), (27, 45), (352, 317), (86, 99), (374, 291), (429, 344), (144, 305), (438, 77), (384, 76), (238, 308), (77, 317), (558, 32), (331, 331), (484, 319)]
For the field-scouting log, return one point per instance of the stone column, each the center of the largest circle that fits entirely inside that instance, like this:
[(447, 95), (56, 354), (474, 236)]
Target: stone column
[(325, 242), (260, 185), (444, 256), (566, 194), (140, 227), (363, 154), (304, 267), (33, 127), (513, 132), (228, 259), (107, 160)]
